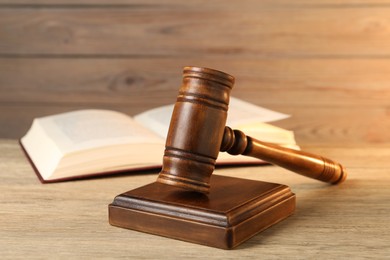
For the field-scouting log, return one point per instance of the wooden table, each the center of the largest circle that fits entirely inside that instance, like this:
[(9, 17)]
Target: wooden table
[(69, 220)]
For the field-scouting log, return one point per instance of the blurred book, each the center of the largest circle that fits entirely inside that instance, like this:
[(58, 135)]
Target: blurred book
[(95, 142)]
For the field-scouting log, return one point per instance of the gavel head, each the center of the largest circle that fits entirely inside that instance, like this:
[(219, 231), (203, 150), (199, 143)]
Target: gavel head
[(196, 129)]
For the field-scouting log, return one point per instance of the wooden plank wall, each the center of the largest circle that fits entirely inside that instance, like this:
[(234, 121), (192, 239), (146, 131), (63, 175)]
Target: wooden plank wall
[(326, 62)]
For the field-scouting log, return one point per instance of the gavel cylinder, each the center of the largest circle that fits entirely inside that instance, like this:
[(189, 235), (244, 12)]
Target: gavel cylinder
[(196, 129)]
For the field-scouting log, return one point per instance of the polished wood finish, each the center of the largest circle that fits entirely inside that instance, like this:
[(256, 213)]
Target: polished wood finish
[(234, 211), (197, 132), (310, 165)]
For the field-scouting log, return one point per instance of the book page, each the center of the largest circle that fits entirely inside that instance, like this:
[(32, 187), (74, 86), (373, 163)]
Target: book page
[(240, 112), (41, 150), (157, 120), (91, 128)]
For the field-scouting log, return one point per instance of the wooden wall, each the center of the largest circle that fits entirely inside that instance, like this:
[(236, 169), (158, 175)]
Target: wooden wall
[(326, 62)]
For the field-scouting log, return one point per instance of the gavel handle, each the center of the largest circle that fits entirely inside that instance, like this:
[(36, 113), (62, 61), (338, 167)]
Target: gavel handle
[(307, 164)]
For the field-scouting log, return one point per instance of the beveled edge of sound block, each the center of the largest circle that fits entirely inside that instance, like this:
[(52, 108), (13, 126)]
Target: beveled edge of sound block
[(234, 211)]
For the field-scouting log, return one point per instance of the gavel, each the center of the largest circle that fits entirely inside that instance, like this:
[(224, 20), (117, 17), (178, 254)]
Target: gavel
[(197, 133)]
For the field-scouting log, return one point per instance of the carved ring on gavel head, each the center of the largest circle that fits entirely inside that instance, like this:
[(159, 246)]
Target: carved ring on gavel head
[(197, 133)]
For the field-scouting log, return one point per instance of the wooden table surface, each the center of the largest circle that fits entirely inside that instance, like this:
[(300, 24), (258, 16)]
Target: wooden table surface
[(69, 220)]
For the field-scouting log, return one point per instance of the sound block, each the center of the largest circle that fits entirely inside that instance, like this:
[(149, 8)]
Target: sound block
[(234, 210)]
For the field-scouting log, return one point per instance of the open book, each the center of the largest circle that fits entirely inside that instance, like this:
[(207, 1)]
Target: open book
[(95, 142)]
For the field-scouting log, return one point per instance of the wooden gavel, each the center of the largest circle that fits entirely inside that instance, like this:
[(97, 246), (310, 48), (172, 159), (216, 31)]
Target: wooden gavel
[(197, 133)]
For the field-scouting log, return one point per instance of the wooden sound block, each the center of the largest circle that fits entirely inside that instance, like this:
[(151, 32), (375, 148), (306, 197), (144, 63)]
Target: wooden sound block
[(234, 211)]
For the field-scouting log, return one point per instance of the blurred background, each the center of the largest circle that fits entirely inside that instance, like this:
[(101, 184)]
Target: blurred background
[(326, 62)]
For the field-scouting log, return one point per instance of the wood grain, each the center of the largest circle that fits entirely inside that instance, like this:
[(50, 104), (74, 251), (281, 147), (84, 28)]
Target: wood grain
[(297, 82), (247, 30), (232, 5), (69, 220)]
